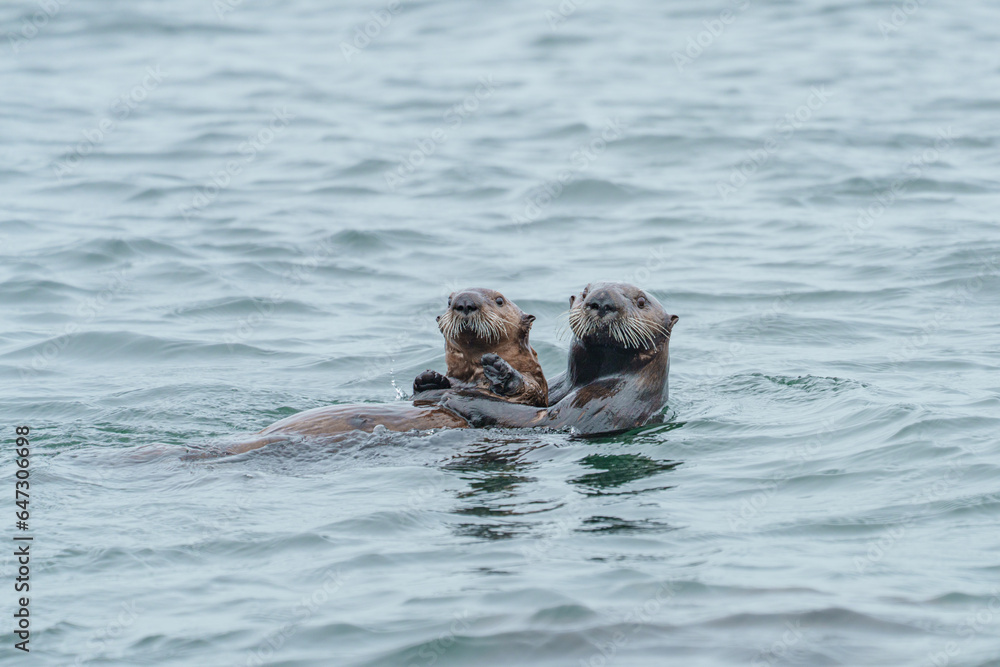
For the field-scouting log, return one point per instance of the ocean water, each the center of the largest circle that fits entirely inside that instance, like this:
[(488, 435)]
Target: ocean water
[(217, 213)]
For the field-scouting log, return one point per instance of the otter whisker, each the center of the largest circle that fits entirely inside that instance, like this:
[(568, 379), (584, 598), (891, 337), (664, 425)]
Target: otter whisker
[(490, 326), (629, 332), (633, 334), (644, 334), (580, 325), (497, 326), (650, 335), (657, 328), (621, 333)]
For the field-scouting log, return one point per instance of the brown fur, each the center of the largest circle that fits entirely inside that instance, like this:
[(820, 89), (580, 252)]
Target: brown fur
[(464, 350), (337, 419)]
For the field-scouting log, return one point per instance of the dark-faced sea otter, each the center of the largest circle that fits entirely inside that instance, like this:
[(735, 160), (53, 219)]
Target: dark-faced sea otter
[(487, 351), (619, 361)]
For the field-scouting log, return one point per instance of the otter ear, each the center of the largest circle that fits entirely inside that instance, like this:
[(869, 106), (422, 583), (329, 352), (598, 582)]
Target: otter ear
[(671, 321)]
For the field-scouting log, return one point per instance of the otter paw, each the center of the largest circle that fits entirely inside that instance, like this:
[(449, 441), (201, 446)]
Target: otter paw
[(503, 378), (429, 381)]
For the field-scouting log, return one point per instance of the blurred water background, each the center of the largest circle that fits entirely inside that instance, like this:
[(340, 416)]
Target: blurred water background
[(218, 213)]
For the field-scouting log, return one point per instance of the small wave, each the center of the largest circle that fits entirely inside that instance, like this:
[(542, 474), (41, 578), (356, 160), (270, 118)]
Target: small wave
[(241, 306), (597, 191), (97, 346)]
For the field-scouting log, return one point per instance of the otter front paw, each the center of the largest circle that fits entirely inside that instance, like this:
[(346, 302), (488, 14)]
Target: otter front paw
[(429, 381), (503, 378)]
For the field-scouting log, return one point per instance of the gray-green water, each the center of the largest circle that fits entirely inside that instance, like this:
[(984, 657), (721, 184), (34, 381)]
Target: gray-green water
[(216, 215)]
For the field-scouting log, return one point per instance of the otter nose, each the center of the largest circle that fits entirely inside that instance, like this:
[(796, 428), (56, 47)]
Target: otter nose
[(464, 304), (602, 303)]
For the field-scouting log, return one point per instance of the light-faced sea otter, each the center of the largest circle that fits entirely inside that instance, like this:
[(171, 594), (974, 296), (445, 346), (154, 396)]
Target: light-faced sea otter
[(486, 346), (483, 332)]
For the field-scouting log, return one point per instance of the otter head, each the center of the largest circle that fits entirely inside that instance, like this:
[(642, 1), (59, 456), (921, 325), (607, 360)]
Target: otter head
[(620, 316), (480, 318), (482, 322)]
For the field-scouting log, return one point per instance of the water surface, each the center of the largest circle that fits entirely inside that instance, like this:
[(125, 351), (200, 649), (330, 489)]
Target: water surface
[(218, 214)]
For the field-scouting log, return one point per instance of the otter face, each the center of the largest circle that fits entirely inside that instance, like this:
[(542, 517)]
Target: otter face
[(482, 314), (619, 315)]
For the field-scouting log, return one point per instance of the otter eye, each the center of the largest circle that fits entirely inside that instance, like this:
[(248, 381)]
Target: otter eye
[(499, 300), (641, 302)]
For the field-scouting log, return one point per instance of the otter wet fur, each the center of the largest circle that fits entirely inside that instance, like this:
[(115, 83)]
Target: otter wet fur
[(486, 346), (616, 379), (482, 329)]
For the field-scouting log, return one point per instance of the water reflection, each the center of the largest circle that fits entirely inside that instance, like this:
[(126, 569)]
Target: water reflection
[(615, 524), (493, 466), (618, 469), (495, 470), (498, 498)]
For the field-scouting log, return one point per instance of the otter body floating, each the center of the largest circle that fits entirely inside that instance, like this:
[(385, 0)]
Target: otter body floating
[(487, 351)]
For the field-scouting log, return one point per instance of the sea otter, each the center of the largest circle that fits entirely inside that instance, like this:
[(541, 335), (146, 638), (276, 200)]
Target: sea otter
[(616, 381), (618, 366), (486, 346), (483, 332)]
